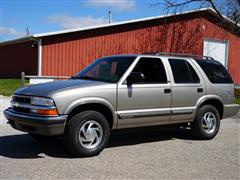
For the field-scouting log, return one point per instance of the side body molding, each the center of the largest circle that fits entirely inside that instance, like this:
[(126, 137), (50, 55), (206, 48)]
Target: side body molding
[(91, 100)]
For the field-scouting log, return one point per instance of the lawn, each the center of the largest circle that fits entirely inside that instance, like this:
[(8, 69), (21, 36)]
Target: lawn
[(8, 86), (237, 99)]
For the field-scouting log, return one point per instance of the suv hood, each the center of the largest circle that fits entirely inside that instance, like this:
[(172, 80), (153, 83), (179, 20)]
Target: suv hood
[(45, 89)]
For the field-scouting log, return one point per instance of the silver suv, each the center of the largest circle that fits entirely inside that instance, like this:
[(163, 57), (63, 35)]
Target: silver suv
[(126, 91)]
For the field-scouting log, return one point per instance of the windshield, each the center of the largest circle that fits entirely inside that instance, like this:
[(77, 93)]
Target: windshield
[(108, 69)]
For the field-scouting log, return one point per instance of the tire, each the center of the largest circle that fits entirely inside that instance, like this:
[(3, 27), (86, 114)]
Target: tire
[(207, 123), (87, 134)]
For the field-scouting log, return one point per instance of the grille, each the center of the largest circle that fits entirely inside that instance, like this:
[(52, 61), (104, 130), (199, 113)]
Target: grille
[(21, 99), (21, 109)]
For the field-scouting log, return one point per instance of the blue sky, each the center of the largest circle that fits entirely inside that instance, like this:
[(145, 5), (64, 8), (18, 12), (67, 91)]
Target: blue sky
[(51, 15)]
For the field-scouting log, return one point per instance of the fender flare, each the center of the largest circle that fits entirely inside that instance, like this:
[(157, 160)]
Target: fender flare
[(92, 100), (204, 99)]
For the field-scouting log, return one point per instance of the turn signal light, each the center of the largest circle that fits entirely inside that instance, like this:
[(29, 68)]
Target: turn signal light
[(48, 112)]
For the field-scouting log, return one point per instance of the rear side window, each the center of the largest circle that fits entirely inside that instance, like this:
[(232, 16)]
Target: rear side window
[(183, 72), (215, 71)]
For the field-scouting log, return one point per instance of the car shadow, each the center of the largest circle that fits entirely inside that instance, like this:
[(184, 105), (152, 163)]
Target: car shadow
[(23, 146)]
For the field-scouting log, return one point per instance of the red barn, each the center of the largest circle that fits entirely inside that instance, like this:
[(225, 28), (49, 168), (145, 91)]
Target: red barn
[(64, 53)]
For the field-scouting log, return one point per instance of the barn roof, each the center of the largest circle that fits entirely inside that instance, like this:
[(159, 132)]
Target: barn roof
[(41, 35)]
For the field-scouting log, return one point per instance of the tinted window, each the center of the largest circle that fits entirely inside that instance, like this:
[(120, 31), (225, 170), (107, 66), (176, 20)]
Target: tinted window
[(152, 69), (215, 71), (109, 69), (183, 72)]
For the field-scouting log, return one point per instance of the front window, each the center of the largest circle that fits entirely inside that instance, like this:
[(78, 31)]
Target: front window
[(108, 69), (152, 69)]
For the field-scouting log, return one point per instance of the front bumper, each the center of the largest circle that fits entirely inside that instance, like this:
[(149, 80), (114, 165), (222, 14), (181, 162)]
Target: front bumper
[(43, 125)]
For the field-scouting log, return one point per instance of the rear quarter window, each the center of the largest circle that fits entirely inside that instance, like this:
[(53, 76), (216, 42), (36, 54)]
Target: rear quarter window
[(183, 72), (215, 71)]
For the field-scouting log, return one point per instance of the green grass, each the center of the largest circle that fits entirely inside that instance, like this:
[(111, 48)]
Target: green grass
[(8, 86), (237, 99)]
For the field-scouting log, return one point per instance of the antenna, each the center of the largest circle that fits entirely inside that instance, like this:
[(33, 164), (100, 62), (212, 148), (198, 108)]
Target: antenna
[(109, 16), (27, 31)]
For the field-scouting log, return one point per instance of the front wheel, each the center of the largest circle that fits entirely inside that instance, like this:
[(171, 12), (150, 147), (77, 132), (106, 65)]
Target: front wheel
[(207, 123), (87, 133)]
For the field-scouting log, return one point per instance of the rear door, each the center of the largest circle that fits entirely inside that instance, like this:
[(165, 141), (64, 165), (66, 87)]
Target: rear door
[(148, 102), (187, 87)]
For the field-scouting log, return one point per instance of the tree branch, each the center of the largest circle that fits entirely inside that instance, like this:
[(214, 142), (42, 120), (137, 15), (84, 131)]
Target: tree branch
[(215, 8), (230, 8)]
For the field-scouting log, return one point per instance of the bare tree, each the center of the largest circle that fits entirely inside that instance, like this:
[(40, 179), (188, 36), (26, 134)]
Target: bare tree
[(223, 8), (178, 37)]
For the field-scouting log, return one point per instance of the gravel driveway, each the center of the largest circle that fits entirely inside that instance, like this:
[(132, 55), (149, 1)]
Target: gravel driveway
[(146, 153)]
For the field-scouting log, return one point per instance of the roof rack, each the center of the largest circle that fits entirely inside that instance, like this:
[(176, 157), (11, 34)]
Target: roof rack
[(183, 55)]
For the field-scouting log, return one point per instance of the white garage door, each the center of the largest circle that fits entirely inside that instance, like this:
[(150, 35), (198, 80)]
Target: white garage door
[(217, 50)]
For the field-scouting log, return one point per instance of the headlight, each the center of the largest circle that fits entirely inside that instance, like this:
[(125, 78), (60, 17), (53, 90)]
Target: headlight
[(39, 101)]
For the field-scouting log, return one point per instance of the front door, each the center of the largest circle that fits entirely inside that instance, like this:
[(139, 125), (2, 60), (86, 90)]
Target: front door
[(147, 102)]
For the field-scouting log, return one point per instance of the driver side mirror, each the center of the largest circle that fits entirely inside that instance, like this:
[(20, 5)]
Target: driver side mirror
[(135, 77)]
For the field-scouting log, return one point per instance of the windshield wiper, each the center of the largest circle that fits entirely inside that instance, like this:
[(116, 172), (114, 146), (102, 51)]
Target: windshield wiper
[(84, 77), (73, 77), (90, 78)]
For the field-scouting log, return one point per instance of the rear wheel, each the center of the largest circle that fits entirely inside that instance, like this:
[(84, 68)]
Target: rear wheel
[(207, 123), (87, 133)]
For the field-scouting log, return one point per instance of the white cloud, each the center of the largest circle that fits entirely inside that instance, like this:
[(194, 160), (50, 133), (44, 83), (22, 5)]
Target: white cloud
[(66, 21), (121, 5), (9, 31)]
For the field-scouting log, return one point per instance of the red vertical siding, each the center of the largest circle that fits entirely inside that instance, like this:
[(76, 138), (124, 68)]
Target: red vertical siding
[(15, 58), (67, 54), (213, 31)]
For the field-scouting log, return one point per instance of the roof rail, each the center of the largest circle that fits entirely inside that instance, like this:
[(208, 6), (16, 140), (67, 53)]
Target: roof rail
[(183, 55)]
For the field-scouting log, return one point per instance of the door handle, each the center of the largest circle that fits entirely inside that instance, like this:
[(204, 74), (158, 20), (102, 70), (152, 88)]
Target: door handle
[(167, 91), (199, 90)]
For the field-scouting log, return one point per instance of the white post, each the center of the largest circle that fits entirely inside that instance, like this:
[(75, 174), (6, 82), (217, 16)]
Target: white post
[(109, 17), (22, 79), (40, 57)]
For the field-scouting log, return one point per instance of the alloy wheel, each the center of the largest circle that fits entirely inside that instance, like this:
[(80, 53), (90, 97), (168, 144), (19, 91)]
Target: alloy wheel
[(209, 122), (90, 134)]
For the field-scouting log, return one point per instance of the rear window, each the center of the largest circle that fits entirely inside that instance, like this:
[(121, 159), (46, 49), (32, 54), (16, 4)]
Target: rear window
[(183, 72), (215, 71)]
